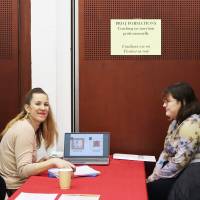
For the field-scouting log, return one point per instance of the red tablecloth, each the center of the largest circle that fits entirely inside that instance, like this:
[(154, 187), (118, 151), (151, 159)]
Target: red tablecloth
[(121, 180)]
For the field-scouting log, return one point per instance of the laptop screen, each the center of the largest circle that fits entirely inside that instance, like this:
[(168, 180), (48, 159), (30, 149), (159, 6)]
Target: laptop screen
[(87, 144)]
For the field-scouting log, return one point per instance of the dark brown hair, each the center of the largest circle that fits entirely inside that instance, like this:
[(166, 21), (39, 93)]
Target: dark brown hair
[(185, 94)]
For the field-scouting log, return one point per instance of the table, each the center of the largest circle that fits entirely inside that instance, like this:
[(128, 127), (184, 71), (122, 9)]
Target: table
[(120, 180)]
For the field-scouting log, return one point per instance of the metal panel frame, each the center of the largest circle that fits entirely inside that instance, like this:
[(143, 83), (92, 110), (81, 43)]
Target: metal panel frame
[(75, 65)]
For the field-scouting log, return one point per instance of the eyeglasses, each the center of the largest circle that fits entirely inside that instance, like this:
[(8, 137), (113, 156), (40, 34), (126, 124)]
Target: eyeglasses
[(168, 101)]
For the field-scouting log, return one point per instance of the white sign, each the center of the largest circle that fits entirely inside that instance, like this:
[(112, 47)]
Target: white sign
[(135, 37)]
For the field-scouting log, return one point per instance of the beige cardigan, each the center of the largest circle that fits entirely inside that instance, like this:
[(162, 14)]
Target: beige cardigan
[(18, 154)]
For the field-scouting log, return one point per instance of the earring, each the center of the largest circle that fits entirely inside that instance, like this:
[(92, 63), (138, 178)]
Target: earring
[(27, 115)]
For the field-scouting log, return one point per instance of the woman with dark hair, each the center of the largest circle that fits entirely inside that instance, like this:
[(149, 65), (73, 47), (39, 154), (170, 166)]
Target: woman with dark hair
[(181, 148), (22, 136)]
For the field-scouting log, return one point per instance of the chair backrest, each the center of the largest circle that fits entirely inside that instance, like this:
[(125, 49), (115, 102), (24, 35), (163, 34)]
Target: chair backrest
[(2, 189)]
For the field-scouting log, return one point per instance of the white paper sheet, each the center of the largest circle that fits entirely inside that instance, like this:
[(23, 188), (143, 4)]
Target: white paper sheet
[(86, 170), (35, 196), (134, 157), (79, 197)]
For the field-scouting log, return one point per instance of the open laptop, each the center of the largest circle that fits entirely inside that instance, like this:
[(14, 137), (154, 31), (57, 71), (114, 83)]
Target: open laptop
[(87, 147)]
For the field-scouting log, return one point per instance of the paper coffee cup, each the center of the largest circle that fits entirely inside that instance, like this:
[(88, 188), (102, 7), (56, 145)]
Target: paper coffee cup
[(65, 178)]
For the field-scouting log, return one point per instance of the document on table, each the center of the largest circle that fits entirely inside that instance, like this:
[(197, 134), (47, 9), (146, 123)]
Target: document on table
[(83, 170), (86, 170), (79, 197), (34, 196), (134, 157)]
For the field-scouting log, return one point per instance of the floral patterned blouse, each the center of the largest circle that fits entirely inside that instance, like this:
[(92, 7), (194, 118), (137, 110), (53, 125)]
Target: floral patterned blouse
[(180, 148)]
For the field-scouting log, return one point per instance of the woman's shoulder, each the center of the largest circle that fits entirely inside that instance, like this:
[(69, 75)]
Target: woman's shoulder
[(193, 119), (22, 126), (190, 126), (19, 130)]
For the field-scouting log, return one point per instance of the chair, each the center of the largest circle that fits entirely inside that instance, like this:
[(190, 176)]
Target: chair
[(2, 189)]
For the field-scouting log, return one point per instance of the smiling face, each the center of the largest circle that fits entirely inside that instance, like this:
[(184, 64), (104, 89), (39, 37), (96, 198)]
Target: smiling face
[(38, 109), (172, 107)]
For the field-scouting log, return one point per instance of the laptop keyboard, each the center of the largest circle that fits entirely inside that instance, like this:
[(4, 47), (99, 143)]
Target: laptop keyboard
[(92, 161)]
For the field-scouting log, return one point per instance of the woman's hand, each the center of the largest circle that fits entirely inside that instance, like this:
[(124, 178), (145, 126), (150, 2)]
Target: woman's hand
[(154, 176), (60, 163)]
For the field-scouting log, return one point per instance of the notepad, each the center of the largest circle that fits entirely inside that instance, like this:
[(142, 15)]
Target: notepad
[(79, 197), (83, 170)]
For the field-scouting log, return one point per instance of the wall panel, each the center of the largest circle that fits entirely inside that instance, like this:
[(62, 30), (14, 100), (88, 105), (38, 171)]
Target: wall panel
[(122, 94), (9, 75), (15, 61)]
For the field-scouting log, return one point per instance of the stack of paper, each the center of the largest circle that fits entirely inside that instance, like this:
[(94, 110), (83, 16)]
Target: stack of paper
[(83, 170), (134, 157), (79, 197), (53, 173)]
